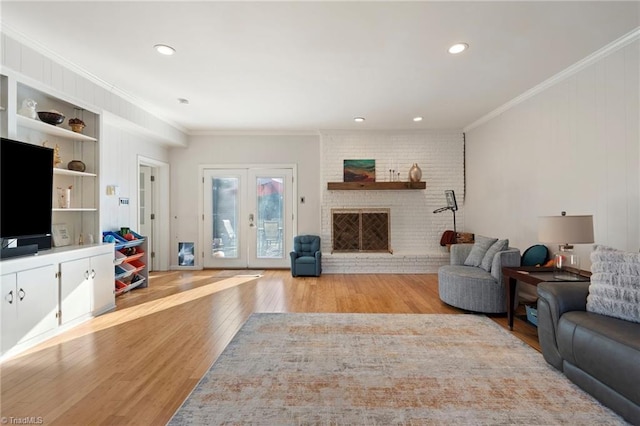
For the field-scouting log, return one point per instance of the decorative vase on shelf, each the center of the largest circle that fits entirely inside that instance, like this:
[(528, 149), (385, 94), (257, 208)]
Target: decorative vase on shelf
[(76, 125), (76, 165), (64, 198), (415, 173)]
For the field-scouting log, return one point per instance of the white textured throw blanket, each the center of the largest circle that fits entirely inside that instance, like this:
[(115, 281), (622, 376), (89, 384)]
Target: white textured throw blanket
[(615, 283)]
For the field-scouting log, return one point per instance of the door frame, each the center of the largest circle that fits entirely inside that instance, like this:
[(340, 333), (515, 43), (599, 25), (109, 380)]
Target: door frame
[(161, 208), (200, 252)]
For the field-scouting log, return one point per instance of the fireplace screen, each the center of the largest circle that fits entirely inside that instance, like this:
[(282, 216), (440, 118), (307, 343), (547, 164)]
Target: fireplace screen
[(360, 230)]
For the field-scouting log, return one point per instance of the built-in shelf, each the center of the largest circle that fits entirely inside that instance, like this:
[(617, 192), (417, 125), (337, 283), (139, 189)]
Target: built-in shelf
[(41, 126), (375, 185), (67, 172)]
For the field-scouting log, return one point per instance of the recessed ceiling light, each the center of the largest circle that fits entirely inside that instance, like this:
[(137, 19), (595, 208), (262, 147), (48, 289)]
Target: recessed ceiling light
[(458, 48), (417, 119), (183, 101), (163, 49), (358, 119)]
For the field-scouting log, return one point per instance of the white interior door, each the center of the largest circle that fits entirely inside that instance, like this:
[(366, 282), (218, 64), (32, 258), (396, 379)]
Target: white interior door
[(248, 217), (146, 214)]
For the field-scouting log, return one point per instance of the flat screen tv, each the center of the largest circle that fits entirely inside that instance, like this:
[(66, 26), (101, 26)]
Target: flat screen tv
[(26, 188)]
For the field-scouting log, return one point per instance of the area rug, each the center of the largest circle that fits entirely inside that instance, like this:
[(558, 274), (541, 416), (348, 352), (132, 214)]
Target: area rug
[(239, 273), (384, 369)]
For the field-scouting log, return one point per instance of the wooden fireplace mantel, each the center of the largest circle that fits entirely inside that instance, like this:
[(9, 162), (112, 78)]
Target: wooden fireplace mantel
[(375, 185)]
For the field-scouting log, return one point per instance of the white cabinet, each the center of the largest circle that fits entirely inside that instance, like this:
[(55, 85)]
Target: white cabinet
[(86, 285), (29, 304), (53, 291), (75, 289), (102, 294)]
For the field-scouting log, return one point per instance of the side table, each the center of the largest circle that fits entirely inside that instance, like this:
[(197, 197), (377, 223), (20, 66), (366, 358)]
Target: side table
[(531, 275)]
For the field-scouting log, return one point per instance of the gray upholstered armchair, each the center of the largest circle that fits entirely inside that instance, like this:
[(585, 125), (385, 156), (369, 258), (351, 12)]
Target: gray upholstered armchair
[(473, 288), (306, 256)]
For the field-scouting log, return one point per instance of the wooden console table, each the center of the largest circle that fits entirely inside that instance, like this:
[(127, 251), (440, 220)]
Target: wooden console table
[(531, 275)]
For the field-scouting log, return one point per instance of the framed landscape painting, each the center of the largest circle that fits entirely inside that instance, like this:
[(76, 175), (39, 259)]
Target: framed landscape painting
[(359, 170)]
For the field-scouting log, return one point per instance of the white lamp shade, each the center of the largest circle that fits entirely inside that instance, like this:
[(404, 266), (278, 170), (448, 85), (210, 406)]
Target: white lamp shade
[(565, 229)]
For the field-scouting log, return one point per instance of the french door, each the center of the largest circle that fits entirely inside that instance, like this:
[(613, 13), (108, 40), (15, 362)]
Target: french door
[(248, 217)]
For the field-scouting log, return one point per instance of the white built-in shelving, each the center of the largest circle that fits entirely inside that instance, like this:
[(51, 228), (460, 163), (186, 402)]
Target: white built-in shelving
[(81, 217), (53, 130), (65, 285)]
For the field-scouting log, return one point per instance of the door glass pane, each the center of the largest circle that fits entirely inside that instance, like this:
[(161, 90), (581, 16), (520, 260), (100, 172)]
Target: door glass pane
[(270, 203), (225, 216), (141, 198)]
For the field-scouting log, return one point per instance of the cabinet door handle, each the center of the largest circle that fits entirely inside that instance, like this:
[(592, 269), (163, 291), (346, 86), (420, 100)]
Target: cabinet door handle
[(86, 275), (93, 273), (21, 294), (9, 297)]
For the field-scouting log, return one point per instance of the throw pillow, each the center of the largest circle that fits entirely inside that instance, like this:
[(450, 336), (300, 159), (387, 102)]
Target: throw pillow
[(487, 260), (479, 249), (615, 283)]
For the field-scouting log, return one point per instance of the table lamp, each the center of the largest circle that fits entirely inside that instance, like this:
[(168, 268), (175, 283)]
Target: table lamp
[(566, 230)]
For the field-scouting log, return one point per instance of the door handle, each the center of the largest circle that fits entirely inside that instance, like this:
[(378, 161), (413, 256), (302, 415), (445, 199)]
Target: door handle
[(251, 225)]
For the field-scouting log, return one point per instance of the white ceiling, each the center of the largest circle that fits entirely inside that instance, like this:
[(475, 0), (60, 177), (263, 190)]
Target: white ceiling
[(306, 66)]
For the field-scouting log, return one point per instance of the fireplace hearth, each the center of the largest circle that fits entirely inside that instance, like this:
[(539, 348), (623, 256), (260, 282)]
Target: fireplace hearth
[(360, 230)]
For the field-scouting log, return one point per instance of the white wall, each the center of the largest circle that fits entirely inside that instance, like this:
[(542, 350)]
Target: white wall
[(186, 184), (119, 162), (415, 229), (573, 147)]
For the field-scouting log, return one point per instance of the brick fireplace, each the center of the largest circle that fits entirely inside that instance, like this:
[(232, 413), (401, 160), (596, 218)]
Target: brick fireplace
[(412, 240)]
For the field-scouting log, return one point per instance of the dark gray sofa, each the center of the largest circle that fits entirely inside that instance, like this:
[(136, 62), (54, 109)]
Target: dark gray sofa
[(599, 353)]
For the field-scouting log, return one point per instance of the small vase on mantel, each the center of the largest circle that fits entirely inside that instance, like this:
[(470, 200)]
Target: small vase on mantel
[(415, 173)]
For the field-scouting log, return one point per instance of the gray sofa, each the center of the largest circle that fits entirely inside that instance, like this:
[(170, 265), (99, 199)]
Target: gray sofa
[(473, 288), (599, 353)]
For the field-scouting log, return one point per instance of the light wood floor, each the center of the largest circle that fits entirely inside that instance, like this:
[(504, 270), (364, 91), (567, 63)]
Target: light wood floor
[(136, 365)]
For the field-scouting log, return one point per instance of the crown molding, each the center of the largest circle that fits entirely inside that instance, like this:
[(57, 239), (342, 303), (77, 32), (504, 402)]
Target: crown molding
[(82, 72), (388, 132), (256, 132), (572, 70)]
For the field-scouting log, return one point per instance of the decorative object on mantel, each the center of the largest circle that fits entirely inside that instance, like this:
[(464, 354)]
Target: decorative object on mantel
[(28, 109), (77, 166), (415, 173), (359, 170)]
